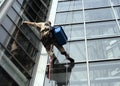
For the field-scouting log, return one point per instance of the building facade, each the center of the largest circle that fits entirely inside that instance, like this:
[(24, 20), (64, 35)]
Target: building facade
[(20, 45), (93, 30)]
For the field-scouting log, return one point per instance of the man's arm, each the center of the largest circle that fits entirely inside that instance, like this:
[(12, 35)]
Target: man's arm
[(39, 24), (30, 23)]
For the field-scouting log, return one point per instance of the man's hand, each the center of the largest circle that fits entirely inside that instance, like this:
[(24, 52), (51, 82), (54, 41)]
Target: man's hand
[(26, 22)]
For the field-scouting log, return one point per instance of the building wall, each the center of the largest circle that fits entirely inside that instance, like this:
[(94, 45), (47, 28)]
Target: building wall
[(93, 30), (20, 45)]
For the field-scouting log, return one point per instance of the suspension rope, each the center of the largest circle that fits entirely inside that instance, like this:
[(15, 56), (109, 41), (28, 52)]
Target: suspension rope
[(72, 16)]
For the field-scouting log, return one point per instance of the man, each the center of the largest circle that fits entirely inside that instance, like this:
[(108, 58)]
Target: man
[(48, 40)]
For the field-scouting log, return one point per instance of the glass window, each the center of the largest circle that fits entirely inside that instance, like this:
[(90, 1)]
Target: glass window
[(1, 2), (69, 5), (75, 49), (102, 29), (117, 12), (104, 49), (74, 32), (3, 35), (17, 6), (99, 14), (8, 24), (69, 17), (5, 79), (20, 1), (13, 15), (96, 3), (70, 75), (30, 35), (105, 73), (115, 2)]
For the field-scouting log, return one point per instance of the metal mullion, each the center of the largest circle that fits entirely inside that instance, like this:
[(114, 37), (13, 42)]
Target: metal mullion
[(97, 38), (16, 60), (24, 35), (86, 46), (23, 19), (43, 3), (88, 9), (28, 13), (22, 31), (88, 22), (113, 9), (34, 11), (38, 6), (19, 45), (24, 9)]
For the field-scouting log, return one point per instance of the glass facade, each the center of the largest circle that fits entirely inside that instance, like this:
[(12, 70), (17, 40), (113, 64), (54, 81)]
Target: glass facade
[(93, 30), (20, 44)]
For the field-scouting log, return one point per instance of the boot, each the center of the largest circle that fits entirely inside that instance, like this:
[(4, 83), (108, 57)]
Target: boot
[(70, 59)]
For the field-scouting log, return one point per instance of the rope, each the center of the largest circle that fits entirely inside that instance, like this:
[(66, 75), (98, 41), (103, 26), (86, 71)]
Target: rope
[(70, 36)]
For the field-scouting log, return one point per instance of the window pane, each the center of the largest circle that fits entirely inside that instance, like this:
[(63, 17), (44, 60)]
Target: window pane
[(75, 49), (69, 17), (1, 2), (105, 73), (104, 49), (99, 14), (74, 32), (5, 79), (20, 1), (75, 75), (102, 29), (96, 3), (8, 24), (117, 12), (3, 35), (13, 15), (17, 6), (115, 2), (69, 5)]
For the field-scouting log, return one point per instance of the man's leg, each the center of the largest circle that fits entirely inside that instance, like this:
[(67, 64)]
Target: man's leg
[(49, 49), (63, 52)]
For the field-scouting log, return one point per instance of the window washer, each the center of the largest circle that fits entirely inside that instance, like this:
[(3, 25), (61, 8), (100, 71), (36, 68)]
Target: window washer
[(48, 40)]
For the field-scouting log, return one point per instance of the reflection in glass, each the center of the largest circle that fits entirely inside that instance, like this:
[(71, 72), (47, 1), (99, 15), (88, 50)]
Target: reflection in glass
[(75, 49), (69, 17), (105, 73), (4, 35), (99, 14), (117, 12), (102, 29), (115, 2), (5, 79), (17, 6), (96, 3), (69, 5), (74, 32), (76, 74), (104, 49), (8, 24)]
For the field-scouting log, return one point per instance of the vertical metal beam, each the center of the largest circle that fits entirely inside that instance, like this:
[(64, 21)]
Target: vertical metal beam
[(86, 48)]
